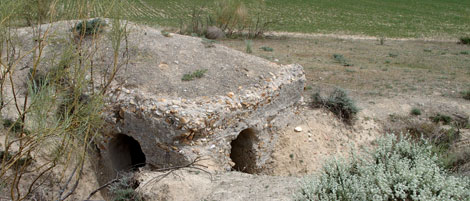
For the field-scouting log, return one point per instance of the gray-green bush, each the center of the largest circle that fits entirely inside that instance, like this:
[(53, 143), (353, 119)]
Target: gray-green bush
[(398, 169), (90, 27), (337, 102), (123, 189)]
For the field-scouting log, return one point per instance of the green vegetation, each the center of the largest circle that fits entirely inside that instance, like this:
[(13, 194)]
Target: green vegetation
[(208, 43), (445, 119), (339, 58), (12, 126), (123, 189), (337, 102), (398, 169), (61, 102), (196, 74), (466, 94), (267, 49), (248, 46), (465, 40), (165, 33), (415, 111), (397, 18), (90, 27)]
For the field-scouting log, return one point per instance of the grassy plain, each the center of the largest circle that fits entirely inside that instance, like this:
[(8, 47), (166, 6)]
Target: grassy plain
[(387, 18)]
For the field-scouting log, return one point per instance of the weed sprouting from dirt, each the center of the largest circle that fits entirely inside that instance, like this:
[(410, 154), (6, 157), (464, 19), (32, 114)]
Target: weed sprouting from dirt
[(208, 43), (465, 40), (445, 119), (196, 74), (248, 46), (124, 189), (382, 40), (267, 49), (90, 27), (12, 125), (416, 111), (339, 58), (466, 95), (165, 33), (337, 102)]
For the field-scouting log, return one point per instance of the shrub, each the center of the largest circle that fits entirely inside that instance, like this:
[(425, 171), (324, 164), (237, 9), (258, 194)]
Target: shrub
[(208, 43), (339, 58), (12, 125), (165, 33), (123, 189), (397, 170), (90, 27), (441, 118), (267, 49), (231, 17), (382, 40), (339, 103), (466, 94), (248, 46), (465, 40), (196, 74), (416, 111)]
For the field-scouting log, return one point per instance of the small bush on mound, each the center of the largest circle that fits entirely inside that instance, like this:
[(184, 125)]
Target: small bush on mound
[(416, 111), (248, 46), (397, 170), (267, 49), (339, 103), (196, 74), (465, 40), (466, 95), (124, 189), (445, 119), (90, 27)]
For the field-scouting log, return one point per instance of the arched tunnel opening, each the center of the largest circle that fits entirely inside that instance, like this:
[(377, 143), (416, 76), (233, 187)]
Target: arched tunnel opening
[(243, 153), (126, 153)]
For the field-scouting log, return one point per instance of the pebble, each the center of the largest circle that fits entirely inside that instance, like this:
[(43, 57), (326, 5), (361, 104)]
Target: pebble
[(298, 129)]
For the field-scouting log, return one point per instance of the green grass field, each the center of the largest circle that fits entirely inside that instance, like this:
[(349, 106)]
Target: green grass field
[(388, 18), (383, 18)]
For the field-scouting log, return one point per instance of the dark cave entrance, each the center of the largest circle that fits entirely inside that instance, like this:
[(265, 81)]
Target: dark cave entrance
[(126, 153), (243, 153)]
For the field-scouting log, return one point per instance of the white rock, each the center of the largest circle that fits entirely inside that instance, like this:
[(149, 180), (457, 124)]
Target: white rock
[(298, 129)]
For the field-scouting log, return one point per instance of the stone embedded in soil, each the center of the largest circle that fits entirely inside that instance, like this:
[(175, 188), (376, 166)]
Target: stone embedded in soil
[(298, 129)]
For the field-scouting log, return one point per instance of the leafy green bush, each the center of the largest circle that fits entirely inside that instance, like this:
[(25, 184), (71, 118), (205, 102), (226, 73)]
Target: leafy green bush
[(397, 170), (90, 27), (12, 125), (416, 111), (441, 118), (267, 49), (465, 40), (466, 95), (339, 58), (123, 189), (196, 74), (339, 103), (248, 46)]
